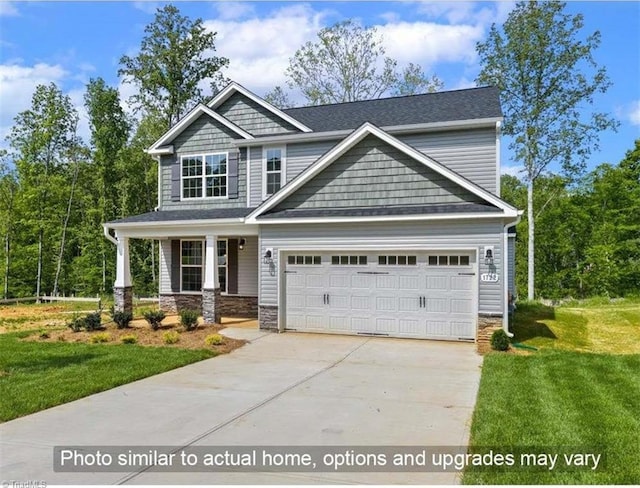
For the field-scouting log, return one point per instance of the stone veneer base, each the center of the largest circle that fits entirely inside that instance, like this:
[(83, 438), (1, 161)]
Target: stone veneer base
[(123, 298), (222, 305), (268, 317), (487, 325)]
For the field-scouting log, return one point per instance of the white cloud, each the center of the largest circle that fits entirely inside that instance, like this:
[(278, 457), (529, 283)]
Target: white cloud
[(8, 9), (147, 7), (259, 48), (234, 10), (512, 170), (634, 112)]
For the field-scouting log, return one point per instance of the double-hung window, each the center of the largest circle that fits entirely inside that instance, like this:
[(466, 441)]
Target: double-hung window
[(204, 176), (273, 161), (191, 261)]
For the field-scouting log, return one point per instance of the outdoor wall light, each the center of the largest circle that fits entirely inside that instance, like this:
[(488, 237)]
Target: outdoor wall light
[(488, 255), (241, 243), (268, 257)]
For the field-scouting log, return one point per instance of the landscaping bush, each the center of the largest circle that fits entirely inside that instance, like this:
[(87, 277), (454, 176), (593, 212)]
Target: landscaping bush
[(499, 340), (129, 339), (122, 319), (154, 318), (189, 319), (98, 338), (92, 321), (44, 335), (171, 337), (214, 340), (76, 324)]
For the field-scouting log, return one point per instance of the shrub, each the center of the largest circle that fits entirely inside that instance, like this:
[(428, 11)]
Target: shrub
[(76, 324), (171, 337), (499, 340), (129, 339), (92, 321), (189, 319), (122, 319), (154, 318), (214, 340), (98, 338)]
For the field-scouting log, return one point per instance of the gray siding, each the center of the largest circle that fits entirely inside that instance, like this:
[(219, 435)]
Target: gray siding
[(511, 263), (470, 153), (441, 235), (373, 173), (301, 156), (204, 135), (252, 117), (255, 164), (248, 268)]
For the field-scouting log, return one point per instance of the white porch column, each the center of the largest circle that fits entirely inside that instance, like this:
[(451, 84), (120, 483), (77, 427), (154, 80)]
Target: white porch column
[(122, 290), (211, 286)]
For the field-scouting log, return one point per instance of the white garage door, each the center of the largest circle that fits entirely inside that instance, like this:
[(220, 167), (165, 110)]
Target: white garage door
[(429, 295)]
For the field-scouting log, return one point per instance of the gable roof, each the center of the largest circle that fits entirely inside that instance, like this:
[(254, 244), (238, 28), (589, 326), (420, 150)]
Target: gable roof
[(176, 130), (358, 135), (466, 104), (234, 87)]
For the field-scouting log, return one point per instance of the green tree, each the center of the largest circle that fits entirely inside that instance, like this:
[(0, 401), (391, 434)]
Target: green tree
[(547, 76), (8, 191), (175, 58), (278, 98), (42, 140), (348, 63), (109, 134)]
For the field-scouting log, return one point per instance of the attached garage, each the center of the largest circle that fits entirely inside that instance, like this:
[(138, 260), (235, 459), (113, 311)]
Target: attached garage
[(425, 294)]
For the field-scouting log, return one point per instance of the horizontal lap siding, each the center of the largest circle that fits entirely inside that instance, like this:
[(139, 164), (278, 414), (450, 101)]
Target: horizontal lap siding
[(443, 236), (252, 117), (374, 173), (470, 153), (512, 264), (165, 266), (203, 136), (301, 156), (255, 180), (248, 268)]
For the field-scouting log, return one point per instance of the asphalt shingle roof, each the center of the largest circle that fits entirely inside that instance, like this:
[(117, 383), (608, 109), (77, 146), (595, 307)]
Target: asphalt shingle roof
[(175, 215), (447, 106), (376, 211)]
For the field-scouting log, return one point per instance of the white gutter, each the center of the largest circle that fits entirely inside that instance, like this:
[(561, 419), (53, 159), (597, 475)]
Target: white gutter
[(105, 230), (391, 129), (174, 223), (378, 218), (505, 279)]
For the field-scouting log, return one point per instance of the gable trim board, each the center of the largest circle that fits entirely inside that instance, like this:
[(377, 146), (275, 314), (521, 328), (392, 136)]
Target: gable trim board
[(160, 146), (358, 135), (234, 87)]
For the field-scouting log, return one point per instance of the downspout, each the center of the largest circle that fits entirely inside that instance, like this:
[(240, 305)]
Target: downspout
[(107, 234), (505, 275)]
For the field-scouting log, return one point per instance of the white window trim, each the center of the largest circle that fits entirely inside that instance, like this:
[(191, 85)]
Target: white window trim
[(226, 266), (194, 292), (203, 176), (283, 168)]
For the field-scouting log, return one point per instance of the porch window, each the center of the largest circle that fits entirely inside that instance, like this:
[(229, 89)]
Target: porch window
[(204, 176), (273, 170), (191, 265)]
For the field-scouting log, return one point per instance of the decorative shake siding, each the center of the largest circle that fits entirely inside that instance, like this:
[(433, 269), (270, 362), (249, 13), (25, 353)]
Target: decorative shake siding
[(470, 152), (205, 135), (373, 173), (252, 117), (405, 235)]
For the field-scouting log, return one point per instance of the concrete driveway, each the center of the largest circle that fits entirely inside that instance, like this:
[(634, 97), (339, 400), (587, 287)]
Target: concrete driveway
[(281, 389)]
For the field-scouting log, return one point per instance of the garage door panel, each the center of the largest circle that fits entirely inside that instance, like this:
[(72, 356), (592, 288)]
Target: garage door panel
[(417, 301)]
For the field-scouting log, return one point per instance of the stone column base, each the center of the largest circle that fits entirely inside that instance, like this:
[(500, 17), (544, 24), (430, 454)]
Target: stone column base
[(123, 298), (210, 308), (487, 325), (268, 317)]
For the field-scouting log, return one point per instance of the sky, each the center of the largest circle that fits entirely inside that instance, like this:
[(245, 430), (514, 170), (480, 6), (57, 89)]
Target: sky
[(71, 42)]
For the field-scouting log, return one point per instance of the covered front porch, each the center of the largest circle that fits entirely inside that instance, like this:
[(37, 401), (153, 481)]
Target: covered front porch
[(207, 265)]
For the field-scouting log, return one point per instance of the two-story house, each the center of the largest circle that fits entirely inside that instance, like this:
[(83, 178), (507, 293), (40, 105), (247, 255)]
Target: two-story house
[(379, 217)]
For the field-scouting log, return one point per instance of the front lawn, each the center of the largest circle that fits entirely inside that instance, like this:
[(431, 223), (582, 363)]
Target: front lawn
[(38, 375), (571, 395)]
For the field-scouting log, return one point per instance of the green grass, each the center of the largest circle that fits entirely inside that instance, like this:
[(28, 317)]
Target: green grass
[(595, 325), (555, 399), (37, 375)]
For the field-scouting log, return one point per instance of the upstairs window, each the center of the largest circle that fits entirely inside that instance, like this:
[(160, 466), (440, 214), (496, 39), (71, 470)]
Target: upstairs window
[(273, 170), (204, 176)]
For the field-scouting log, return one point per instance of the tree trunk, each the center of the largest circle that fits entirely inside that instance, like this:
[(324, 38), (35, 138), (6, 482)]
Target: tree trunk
[(39, 277), (531, 243), (7, 263), (64, 230)]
